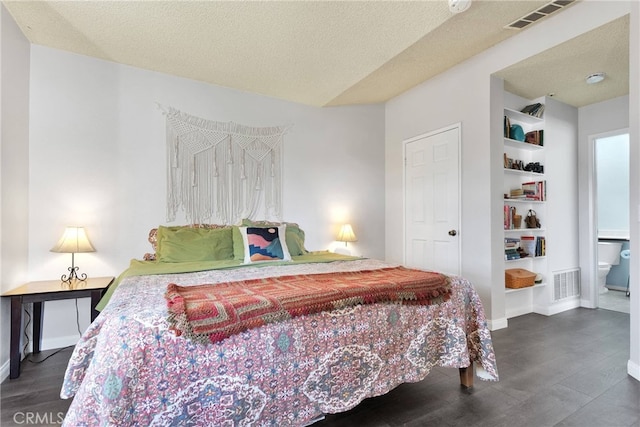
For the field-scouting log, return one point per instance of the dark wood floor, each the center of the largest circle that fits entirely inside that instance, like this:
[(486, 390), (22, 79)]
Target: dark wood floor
[(564, 370), (35, 395)]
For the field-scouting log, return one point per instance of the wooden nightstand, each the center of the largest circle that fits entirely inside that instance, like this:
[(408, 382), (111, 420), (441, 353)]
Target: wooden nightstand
[(39, 292)]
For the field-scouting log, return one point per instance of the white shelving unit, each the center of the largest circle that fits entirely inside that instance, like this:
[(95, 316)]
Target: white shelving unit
[(522, 117), (536, 286), (508, 142), (527, 202), (514, 178)]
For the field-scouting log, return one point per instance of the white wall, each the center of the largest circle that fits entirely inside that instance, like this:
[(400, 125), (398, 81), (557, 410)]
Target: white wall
[(561, 130), (463, 94), (440, 102), (97, 153), (115, 138), (14, 166)]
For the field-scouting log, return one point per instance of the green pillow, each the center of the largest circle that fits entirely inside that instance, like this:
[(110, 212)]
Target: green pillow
[(294, 237), (194, 244)]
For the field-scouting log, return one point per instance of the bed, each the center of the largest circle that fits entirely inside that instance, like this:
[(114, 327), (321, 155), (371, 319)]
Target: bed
[(133, 367)]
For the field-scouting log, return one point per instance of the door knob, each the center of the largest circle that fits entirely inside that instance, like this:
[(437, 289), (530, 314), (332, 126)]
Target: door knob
[(452, 232)]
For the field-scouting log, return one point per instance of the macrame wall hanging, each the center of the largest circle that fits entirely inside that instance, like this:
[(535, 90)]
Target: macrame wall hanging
[(221, 171)]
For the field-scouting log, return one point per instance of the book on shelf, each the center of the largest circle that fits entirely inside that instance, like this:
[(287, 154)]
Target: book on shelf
[(509, 217), (507, 126), (511, 242), (511, 254), (535, 137), (524, 246), (536, 110), (511, 246), (535, 190), (528, 244), (541, 246)]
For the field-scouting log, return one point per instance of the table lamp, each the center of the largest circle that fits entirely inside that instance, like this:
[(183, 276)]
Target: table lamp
[(73, 240), (346, 234)]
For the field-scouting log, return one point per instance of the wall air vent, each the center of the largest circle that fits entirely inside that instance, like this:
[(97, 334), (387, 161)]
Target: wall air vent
[(538, 14), (566, 284)]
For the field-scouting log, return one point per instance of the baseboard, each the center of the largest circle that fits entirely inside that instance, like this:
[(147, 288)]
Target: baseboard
[(519, 311), (4, 371), (633, 369), (496, 324), (54, 343), (585, 303), (59, 342), (557, 307), (47, 344)]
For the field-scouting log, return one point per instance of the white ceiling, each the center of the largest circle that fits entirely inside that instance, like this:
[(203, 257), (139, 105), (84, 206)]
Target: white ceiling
[(323, 53)]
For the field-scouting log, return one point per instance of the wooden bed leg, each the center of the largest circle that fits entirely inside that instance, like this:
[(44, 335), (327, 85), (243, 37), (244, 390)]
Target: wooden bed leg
[(466, 376)]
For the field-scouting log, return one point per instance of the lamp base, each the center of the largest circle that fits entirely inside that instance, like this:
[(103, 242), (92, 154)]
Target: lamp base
[(342, 251), (73, 275)]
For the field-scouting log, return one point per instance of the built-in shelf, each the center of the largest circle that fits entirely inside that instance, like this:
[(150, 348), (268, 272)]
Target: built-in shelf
[(521, 145), (525, 173), (524, 230), (537, 285), (523, 117), (524, 259), (522, 300), (522, 201)]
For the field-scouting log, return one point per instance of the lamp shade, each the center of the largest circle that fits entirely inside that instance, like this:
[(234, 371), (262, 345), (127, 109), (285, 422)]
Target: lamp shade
[(73, 240), (346, 234)]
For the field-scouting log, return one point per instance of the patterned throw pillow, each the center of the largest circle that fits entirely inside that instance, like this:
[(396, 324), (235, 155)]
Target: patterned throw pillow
[(294, 237), (264, 244)]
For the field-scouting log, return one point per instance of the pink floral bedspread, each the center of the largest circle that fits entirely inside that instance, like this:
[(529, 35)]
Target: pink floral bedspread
[(129, 369)]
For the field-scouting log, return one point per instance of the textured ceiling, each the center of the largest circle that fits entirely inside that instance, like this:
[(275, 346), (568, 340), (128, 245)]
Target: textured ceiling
[(561, 70), (319, 52)]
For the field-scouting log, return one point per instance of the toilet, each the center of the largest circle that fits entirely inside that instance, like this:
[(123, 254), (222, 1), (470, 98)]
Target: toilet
[(608, 255)]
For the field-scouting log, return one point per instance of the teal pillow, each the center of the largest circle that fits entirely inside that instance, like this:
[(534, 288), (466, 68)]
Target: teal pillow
[(185, 244)]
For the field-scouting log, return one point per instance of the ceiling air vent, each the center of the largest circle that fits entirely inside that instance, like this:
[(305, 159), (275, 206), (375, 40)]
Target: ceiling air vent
[(538, 14)]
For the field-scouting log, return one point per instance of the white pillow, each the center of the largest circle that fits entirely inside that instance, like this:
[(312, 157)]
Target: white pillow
[(264, 244)]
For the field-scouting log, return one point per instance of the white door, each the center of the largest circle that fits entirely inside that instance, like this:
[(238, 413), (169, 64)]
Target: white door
[(432, 201)]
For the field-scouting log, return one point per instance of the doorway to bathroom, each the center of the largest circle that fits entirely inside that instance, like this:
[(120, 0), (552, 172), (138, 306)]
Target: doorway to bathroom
[(611, 154)]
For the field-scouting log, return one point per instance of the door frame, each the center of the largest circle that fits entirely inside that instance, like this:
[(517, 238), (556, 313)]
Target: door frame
[(407, 141), (589, 263)]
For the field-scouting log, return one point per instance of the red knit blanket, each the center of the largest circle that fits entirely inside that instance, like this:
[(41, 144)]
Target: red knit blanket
[(213, 312)]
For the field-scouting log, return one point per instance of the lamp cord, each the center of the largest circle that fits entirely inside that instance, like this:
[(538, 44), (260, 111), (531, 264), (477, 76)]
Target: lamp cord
[(52, 354), (26, 336), (78, 318), (24, 350)]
